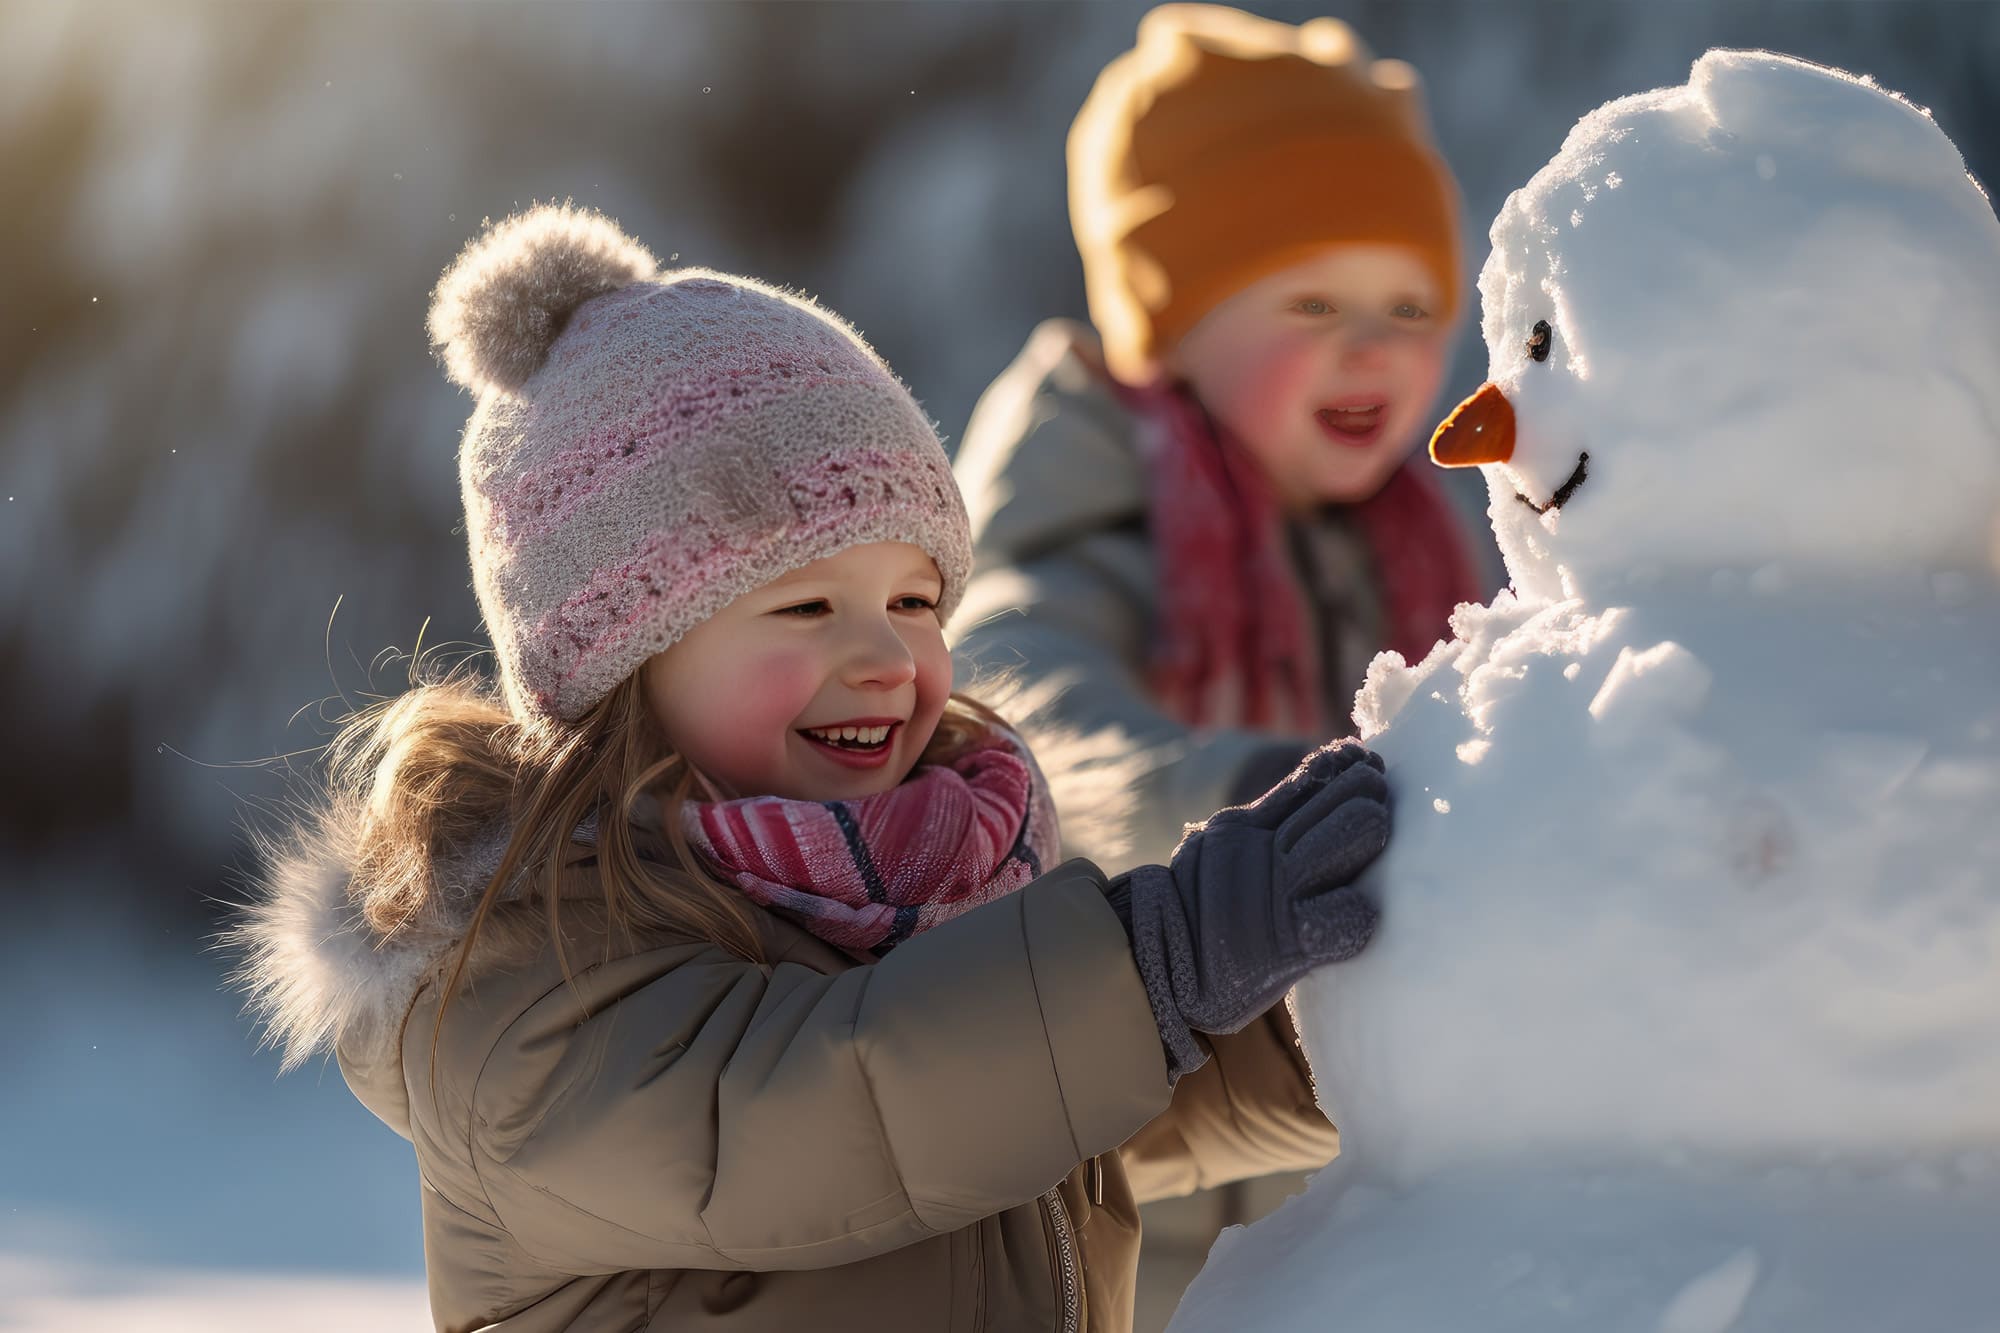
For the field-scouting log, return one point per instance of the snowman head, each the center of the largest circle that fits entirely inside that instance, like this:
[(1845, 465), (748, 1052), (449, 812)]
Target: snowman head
[(1752, 320)]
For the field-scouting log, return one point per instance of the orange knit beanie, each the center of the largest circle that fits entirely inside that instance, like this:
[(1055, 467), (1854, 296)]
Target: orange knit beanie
[(1223, 147)]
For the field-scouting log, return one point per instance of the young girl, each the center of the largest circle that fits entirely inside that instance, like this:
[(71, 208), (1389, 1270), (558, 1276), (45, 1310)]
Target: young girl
[(719, 966), (1197, 522)]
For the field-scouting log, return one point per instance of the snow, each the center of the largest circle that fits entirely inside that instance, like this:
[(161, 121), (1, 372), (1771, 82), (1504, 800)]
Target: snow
[(151, 1159), (1608, 1251), (1685, 1012), (1792, 257), (56, 1297), (1711, 1302)]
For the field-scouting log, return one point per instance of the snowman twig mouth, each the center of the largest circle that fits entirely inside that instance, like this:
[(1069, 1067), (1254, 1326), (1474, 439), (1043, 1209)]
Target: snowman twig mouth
[(1564, 491)]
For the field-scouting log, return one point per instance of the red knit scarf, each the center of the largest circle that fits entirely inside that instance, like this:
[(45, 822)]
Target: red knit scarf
[(1235, 645), (865, 875)]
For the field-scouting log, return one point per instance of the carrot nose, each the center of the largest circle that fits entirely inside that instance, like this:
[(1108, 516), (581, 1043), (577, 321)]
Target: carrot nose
[(1479, 430)]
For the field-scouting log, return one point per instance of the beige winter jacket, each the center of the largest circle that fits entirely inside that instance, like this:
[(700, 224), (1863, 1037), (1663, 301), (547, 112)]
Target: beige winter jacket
[(677, 1139)]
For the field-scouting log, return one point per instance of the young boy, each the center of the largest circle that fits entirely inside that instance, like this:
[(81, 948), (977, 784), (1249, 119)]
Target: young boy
[(1195, 524)]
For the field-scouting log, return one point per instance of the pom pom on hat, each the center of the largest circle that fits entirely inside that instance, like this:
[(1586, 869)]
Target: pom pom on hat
[(502, 303)]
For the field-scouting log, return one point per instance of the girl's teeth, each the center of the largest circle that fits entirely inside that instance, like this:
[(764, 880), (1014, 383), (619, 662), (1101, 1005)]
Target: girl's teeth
[(850, 735)]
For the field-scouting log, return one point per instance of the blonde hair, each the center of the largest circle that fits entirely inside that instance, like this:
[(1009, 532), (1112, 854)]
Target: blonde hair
[(445, 767)]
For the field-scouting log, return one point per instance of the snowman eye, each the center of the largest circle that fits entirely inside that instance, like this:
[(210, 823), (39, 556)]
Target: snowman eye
[(1540, 340)]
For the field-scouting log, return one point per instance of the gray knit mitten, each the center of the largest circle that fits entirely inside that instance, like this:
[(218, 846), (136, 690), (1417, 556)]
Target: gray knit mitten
[(1255, 898)]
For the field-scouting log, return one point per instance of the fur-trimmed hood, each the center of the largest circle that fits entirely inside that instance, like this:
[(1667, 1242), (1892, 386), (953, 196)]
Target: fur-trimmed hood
[(315, 972)]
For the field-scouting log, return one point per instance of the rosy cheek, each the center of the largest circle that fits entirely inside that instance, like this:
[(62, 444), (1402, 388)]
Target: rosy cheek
[(759, 703), (1275, 380)]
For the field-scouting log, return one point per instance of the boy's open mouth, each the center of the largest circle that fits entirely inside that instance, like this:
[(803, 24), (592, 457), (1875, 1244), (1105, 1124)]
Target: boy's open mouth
[(1356, 421)]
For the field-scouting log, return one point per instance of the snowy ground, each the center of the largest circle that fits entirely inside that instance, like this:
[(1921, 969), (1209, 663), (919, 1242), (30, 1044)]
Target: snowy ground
[(49, 1297), (150, 1161)]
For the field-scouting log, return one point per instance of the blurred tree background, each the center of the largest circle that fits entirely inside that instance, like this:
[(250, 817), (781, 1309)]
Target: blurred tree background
[(218, 416), (219, 419)]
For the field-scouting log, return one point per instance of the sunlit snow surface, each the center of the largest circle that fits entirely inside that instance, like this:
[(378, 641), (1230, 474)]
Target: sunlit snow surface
[(49, 1297), (157, 1175), (1685, 1013)]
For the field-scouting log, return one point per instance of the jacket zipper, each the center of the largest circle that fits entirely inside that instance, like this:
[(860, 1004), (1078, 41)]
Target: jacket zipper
[(1066, 1270)]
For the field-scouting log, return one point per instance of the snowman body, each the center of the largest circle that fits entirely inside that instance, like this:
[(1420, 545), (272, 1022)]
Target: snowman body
[(1684, 1015)]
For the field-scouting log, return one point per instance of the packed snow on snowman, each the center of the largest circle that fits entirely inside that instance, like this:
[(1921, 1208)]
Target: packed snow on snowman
[(1684, 1015)]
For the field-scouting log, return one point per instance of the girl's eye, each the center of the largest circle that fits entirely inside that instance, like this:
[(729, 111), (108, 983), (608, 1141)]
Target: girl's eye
[(804, 610), (915, 603), (1540, 339), (1409, 310), (1312, 305)]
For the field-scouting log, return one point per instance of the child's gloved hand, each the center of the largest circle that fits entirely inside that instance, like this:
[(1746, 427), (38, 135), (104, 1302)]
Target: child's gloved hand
[(1257, 897)]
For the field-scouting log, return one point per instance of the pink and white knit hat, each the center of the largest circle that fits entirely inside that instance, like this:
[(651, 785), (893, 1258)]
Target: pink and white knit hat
[(649, 446)]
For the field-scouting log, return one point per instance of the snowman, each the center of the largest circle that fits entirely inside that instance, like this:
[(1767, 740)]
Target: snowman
[(1684, 1014)]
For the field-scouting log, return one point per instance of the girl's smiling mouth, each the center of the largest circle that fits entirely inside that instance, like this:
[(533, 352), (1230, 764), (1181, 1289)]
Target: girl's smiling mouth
[(863, 742)]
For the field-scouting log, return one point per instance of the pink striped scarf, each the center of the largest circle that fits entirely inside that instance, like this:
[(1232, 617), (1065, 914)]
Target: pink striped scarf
[(867, 874)]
